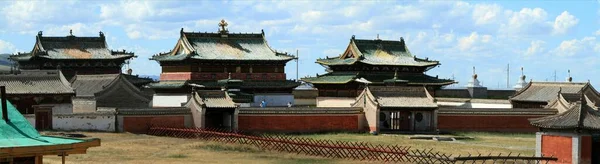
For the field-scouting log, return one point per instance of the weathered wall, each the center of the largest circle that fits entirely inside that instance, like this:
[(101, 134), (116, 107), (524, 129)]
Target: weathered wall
[(335, 101), (84, 122), (474, 105), (559, 147), (30, 118), (62, 109), (273, 100), (169, 100), (586, 149), (299, 122), (84, 105), (504, 123)]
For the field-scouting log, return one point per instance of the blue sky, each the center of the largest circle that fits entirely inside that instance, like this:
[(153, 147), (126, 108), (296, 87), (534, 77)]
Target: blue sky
[(541, 36)]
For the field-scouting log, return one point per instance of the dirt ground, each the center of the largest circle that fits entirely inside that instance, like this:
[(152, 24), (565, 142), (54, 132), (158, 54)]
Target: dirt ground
[(142, 149)]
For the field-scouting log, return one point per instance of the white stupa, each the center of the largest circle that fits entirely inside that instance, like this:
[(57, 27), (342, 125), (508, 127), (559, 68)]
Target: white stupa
[(474, 82), (521, 83)]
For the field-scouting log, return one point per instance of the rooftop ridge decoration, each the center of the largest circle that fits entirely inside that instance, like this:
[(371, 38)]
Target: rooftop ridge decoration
[(580, 116)]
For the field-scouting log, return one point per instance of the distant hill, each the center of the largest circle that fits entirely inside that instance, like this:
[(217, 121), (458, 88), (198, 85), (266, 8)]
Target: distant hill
[(154, 77), (4, 59)]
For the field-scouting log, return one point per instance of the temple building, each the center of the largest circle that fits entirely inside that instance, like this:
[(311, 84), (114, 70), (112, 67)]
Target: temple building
[(540, 94), (203, 58), (73, 55), (372, 62)]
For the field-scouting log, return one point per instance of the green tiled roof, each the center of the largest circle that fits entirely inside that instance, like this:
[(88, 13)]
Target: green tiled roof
[(72, 47), (168, 84), (378, 52), (216, 46), (546, 91), (345, 77)]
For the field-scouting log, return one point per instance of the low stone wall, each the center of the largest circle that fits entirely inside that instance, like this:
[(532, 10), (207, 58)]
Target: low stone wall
[(84, 122), (298, 119), (489, 120), (140, 120)]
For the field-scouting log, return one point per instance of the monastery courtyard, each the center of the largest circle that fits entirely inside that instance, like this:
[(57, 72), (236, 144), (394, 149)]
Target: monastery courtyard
[(134, 148)]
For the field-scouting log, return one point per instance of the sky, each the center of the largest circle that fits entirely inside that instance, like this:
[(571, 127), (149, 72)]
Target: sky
[(495, 37)]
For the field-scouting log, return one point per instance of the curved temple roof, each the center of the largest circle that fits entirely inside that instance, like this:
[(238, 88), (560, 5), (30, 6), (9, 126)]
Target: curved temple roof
[(377, 52), (72, 47), (222, 46)]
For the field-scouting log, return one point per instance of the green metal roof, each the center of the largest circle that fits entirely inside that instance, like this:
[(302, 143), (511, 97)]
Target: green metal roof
[(72, 47), (217, 46), (215, 84), (345, 77), (20, 133), (378, 52)]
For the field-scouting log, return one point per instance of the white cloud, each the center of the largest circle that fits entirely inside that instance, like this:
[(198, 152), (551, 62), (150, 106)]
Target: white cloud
[(6, 47), (526, 22), (597, 33), (485, 14), (536, 47), (564, 22), (585, 46), (473, 42)]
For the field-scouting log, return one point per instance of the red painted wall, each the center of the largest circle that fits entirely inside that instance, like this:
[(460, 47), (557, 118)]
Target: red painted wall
[(586, 149), (506, 123), (559, 147), (299, 123), (142, 124)]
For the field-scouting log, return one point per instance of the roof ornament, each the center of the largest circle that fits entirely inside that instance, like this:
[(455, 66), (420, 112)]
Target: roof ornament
[(378, 37), (229, 76), (352, 37), (40, 33), (71, 32), (521, 83), (569, 79), (474, 82), (101, 34), (395, 74), (223, 24)]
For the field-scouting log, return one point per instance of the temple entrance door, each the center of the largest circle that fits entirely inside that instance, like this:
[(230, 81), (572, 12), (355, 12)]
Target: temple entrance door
[(399, 120), (219, 118), (43, 118)]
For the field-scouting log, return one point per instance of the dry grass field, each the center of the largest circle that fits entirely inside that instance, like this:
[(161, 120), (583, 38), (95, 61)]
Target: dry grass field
[(133, 148)]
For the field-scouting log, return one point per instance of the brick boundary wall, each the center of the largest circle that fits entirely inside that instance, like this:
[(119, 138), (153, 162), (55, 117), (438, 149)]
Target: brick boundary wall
[(490, 123), (300, 122), (141, 124)]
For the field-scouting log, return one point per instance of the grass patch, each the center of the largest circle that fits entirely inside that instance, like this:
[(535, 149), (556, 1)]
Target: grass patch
[(229, 147), (177, 156)]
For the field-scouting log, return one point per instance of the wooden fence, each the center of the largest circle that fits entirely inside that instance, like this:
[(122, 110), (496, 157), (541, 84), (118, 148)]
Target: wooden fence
[(339, 149)]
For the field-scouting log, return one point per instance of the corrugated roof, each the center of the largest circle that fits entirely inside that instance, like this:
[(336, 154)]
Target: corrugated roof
[(546, 91), (216, 46), (36, 82), (379, 52), (402, 97), (72, 47), (580, 116)]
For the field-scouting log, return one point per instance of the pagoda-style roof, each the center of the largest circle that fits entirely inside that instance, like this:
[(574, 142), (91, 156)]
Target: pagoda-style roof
[(18, 138), (377, 52), (564, 101), (36, 82), (581, 116), (214, 99), (377, 78), (398, 97), (222, 46), (71, 48), (547, 91)]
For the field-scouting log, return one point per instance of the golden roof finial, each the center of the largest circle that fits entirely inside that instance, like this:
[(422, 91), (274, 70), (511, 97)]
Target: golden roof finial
[(223, 24)]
